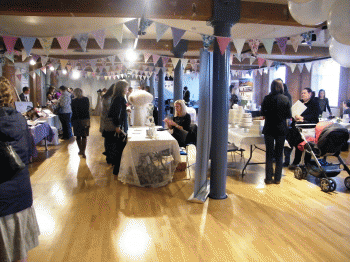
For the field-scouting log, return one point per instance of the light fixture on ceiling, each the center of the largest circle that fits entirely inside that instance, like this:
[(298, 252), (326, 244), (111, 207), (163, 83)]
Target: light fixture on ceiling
[(32, 62), (131, 55), (52, 68), (76, 75), (64, 71)]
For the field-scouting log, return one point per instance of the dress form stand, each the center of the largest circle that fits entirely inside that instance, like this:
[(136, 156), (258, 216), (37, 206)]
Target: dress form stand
[(140, 100)]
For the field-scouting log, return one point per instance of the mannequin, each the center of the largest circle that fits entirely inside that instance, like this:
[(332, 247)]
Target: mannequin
[(140, 100)]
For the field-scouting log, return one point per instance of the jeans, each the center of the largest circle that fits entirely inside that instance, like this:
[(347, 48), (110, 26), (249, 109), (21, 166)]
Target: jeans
[(274, 148)]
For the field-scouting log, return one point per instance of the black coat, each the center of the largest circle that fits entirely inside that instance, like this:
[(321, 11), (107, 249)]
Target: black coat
[(312, 111), (16, 194), (276, 108), (117, 112), (80, 108)]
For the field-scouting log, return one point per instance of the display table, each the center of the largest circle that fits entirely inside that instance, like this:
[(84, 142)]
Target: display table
[(40, 132), (239, 137), (149, 162)]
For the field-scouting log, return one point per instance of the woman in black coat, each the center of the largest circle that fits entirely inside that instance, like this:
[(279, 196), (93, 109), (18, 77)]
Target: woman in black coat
[(19, 230), (81, 119), (323, 102), (117, 112), (276, 108)]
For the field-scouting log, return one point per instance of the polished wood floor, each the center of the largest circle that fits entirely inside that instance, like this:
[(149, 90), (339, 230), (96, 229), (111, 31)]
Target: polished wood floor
[(85, 214)]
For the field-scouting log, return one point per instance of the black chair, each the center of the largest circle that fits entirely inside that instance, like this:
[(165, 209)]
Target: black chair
[(231, 148)]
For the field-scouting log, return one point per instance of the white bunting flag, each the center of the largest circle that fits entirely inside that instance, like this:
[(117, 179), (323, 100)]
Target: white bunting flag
[(239, 43)]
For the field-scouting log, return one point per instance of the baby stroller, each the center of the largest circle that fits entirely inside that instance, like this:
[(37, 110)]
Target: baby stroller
[(328, 141)]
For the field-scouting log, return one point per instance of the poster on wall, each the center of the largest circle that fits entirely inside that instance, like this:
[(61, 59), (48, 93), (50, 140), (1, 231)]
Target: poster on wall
[(246, 88)]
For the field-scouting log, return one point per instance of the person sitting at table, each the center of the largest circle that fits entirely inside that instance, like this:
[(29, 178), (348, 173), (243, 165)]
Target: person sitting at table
[(310, 115), (323, 102), (346, 107), (18, 224), (117, 112), (25, 95), (181, 123), (276, 108), (81, 119)]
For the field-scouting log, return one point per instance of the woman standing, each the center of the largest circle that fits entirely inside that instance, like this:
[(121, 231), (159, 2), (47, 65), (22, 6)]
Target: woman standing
[(107, 127), (81, 119), (19, 229), (65, 114), (181, 124), (323, 102), (276, 108), (118, 114)]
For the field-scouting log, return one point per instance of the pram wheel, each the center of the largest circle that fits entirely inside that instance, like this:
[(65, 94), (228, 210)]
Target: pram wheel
[(328, 185), (347, 182), (299, 173)]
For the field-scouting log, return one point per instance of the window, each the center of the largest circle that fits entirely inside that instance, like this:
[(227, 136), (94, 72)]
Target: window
[(326, 75), (279, 73)]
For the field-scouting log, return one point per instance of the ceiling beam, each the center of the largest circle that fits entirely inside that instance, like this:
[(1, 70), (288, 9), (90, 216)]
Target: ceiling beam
[(199, 10)]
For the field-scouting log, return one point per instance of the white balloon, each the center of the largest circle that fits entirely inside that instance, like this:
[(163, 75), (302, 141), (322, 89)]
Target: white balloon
[(312, 12), (340, 53), (339, 21)]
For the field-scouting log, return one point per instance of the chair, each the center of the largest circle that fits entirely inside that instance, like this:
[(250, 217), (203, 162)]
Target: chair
[(231, 148), (184, 152)]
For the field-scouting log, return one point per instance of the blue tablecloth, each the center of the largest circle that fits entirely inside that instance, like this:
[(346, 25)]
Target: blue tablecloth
[(40, 132)]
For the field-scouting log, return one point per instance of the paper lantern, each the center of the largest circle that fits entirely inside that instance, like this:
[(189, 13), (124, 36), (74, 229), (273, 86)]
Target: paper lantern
[(312, 12), (339, 21), (340, 53)]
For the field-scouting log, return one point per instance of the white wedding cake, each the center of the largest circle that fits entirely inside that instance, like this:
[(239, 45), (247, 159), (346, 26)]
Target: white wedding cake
[(235, 115), (246, 120)]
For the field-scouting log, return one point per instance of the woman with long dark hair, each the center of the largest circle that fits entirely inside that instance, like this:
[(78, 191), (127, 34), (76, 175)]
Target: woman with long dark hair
[(19, 230), (118, 114), (323, 102), (276, 108)]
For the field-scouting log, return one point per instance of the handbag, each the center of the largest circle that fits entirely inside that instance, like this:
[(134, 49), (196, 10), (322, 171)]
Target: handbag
[(11, 162)]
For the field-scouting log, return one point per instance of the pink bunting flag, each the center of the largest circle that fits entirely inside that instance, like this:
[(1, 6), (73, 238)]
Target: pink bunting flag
[(254, 45), (223, 43), (64, 42), (165, 60), (10, 42), (155, 58), (282, 44), (100, 36), (147, 56), (261, 61)]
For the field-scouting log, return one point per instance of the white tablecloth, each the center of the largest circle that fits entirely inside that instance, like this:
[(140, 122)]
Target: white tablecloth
[(149, 162), (239, 137)]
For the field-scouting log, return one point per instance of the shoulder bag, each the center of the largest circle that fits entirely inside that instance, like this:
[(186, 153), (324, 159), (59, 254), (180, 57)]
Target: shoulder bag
[(11, 162)]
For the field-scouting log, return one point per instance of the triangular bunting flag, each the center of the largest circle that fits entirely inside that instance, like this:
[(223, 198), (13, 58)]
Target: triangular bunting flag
[(63, 62), (82, 40), (223, 43), (133, 26), (301, 67), (146, 56), (174, 61), (10, 42), (254, 45), (239, 43), (165, 60), (268, 43), (184, 62), (155, 58), (69, 68), (177, 35), (160, 30), (251, 60), (117, 32), (43, 69), (28, 43), (37, 71), (269, 63), (31, 73), (239, 57), (46, 43), (100, 36), (308, 66), (24, 55), (261, 71), (44, 60), (19, 77), (282, 44), (295, 40), (64, 42), (121, 57), (261, 61), (292, 66), (10, 57)]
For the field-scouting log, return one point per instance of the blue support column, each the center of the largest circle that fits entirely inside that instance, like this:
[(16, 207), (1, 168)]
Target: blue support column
[(221, 71), (152, 83), (161, 102), (179, 51)]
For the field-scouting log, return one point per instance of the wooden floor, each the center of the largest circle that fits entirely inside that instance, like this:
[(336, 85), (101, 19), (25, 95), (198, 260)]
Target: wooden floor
[(85, 214)]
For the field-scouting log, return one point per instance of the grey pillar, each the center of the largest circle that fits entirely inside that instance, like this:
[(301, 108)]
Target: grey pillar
[(152, 84), (179, 51), (161, 104)]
